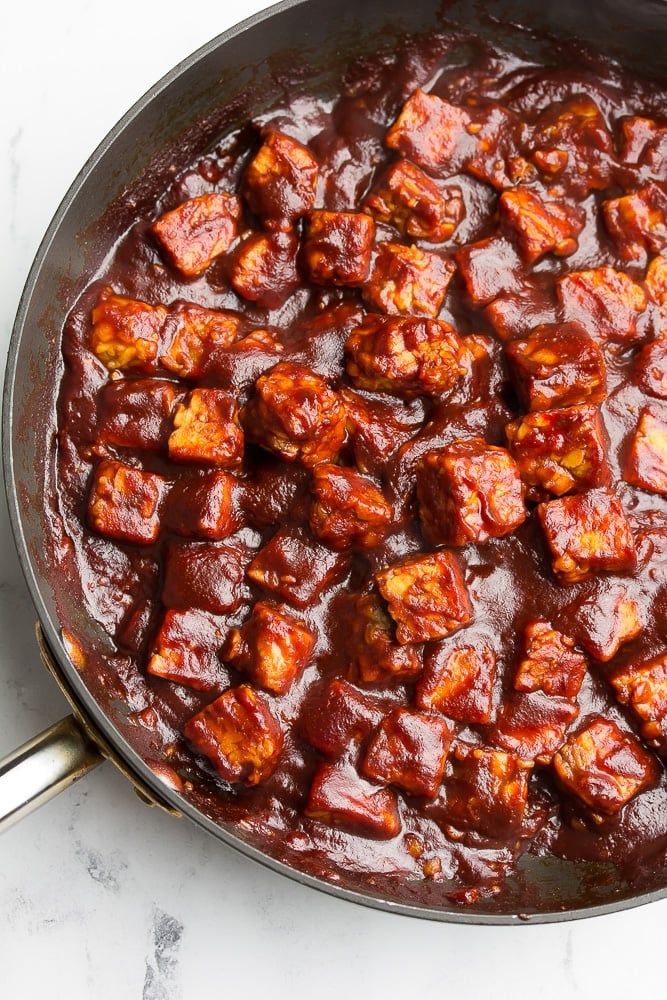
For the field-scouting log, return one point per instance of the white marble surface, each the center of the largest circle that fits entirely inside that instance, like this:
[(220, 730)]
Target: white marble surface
[(102, 898)]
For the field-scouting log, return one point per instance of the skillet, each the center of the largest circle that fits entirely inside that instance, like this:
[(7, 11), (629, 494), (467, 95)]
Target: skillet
[(235, 71)]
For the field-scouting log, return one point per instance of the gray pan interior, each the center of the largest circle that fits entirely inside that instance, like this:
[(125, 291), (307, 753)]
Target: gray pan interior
[(293, 42)]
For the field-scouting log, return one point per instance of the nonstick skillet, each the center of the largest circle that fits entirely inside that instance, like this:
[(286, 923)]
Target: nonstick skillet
[(235, 73)]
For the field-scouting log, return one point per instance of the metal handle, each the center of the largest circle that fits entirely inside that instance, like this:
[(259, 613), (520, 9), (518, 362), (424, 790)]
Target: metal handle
[(42, 767)]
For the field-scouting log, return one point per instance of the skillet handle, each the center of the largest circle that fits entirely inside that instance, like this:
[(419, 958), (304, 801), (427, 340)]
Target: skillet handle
[(42, 767)]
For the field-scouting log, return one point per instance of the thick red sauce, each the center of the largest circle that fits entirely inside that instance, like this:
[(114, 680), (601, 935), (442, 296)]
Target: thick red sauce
[(454, 788)]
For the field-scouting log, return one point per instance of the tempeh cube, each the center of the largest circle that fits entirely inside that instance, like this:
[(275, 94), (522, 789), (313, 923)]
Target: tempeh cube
[(191, 333), (272, 647), (539, 227), (204, 575), (638, 222), (347, 509), (263, 268), (557, 365), (376, 427), (492, 156), (587, 533), (489, 268), (126, 333), (266, 497), (409, 750), (405, 356), (295, 415), (651, 368), (469, 491), (644, 143), (338, 716), (656, 278), (375, 657), (646, 464), (516, 314), (429, 131), (426, 596), (604, 767), (241, 363), (206, 430), (642, 686), (280, 182), (136, 413), (202, 506), (407, 198), (239, 734), (487, 792), (606, 619), (559, 451), (337, 247), (407, 281), (339, 797), (551, 663), (295, 567), (198, 231), (605, 301), (576, 132), (458, 681), (534, 724), (186, 650), (124, 503)]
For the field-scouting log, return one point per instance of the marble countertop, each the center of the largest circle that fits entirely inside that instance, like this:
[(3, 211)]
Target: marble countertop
[(100, 896)]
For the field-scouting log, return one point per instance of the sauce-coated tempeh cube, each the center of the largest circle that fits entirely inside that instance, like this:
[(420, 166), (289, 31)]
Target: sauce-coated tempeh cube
[(198, 231), (587, 533), (407, 198), (487, 792), (646, 464), (337, 247), (426, 596), (339, 797), (375, 657), (280, 182), (294, 414), (607, 303), (550, 663), (557, 365), (604, 767), (409, 750), (539, 227), (126, 333), (407, 281), (642, 686), (458, 681), (429, 131), (206, 430), (559, 451), (186, 650), (469, 491), (239, 734), (405, 356), (339, 716), (272, 647), (347, 509), (124, 503)]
